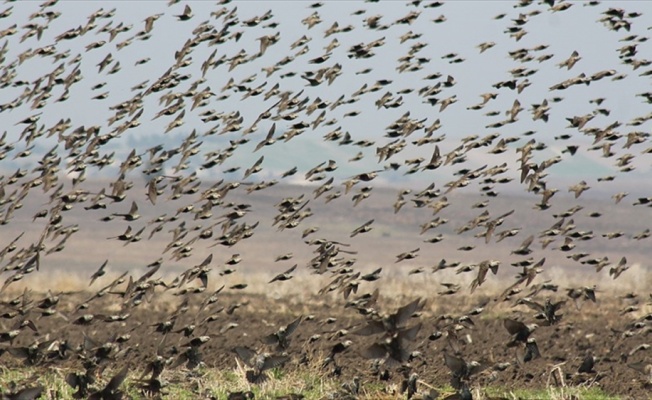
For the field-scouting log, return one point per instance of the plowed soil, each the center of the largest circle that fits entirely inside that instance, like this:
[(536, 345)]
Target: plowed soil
[(599, 328)]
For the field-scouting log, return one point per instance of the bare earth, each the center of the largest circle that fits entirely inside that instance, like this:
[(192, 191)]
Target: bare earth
[(242, 317), (597, 328)]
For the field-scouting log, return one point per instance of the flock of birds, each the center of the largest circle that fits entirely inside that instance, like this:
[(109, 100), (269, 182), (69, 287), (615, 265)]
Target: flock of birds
[(270, 111)]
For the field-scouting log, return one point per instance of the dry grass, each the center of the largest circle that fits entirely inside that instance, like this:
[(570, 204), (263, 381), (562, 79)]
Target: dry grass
[(636, 279), (309, 381)]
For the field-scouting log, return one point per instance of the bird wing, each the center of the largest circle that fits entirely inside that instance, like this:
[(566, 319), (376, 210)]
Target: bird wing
[(513, 326), (374, 351), (270, 339), (405, 312), (410, 333), (455, 364), (273, 362), (533, 305), (117, 380), (372, 328), (292, 326), (245, 354)]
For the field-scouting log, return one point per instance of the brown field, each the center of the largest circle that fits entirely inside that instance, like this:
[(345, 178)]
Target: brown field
[(244, 316), (187, 212)]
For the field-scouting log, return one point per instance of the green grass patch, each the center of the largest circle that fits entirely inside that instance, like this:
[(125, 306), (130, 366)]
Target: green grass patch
[(564, 393), (209, 383)]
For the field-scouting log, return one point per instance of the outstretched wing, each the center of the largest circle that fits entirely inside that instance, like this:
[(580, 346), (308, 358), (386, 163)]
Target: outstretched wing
[(245, 354), (117, 380), (273, 362), (292, 326), (404, 313), (455, 364)]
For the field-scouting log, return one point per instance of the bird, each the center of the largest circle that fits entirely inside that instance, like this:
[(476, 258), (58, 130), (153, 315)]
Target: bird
[(528, 352), (285, 275), (546, 311), (393, 325), (584, 293), (281, 338), (461, 371), (518, 330), (579, 188), (435, 161), (214, 163), (241, 395), (269, 139), (254, 168), (99, 273), (392, 350), (644, 368), (258, 363), (483, 268), (619, 268), (588, 362), (407, 255), (187, 14), (111, 390), (524, 249), (27, 393), (364, 228), (372, 276), (132, 215), (570, 61)]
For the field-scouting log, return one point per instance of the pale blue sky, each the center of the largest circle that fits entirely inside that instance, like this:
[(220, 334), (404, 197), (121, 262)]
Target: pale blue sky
[(467, 24)]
